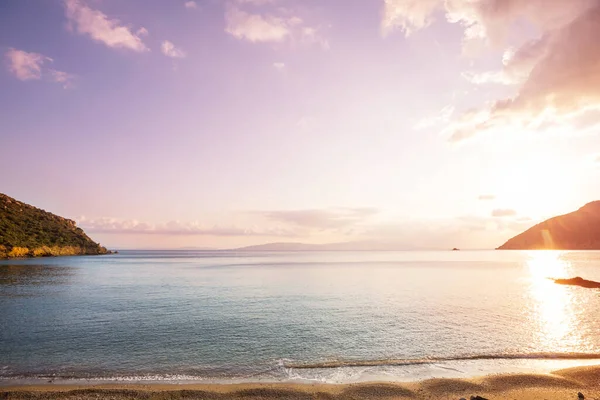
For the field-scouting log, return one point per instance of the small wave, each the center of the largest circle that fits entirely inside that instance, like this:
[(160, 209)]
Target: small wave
[(100, 377), (433, 360)]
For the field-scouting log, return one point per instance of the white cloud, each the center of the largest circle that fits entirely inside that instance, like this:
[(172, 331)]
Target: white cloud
[(169, 50), (190, 4), (561, 86), (30, 66), (555, 73), (489, 20), (279, 65), (142, 32), (487, 197), (408, 15), (99, 27), (25, 66)]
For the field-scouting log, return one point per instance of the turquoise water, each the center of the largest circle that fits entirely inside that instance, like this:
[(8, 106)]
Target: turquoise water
[(312, 316)]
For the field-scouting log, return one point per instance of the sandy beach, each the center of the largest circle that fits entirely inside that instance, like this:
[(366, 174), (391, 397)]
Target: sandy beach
[(561, 384)]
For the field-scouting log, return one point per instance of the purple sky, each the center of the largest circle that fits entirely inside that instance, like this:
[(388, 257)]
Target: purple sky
[(222, 123)]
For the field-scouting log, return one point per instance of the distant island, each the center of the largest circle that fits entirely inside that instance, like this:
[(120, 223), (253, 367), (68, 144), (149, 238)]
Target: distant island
[(27, 231), (579, 230)]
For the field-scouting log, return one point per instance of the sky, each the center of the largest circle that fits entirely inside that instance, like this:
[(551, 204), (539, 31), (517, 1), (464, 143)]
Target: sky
[(226, 123)]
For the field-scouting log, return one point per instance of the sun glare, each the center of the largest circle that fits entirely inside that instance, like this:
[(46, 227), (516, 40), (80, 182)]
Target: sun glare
[(553, 304), (530, 184)]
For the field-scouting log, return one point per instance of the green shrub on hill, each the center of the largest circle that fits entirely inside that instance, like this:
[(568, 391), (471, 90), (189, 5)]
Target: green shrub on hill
[(27, 231)]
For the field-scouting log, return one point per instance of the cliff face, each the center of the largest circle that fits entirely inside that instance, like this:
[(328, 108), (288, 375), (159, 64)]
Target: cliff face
[(579, 230), (27, 231)]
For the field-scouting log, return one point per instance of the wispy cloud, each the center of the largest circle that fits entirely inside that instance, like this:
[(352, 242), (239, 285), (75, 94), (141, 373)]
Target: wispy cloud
[(322, 218), (107, 225), (61, 77), (504, 212), (190, 4), (279, 65), (487, 197), (31, 66), (101, 28), (169, 50)]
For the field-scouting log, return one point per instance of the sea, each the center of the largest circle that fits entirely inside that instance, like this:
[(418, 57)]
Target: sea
[(332, 317)]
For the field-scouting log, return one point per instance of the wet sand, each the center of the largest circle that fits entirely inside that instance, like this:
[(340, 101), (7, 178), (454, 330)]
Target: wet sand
[(562, 384)]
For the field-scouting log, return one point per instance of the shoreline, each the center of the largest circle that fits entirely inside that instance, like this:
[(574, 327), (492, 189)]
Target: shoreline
[(560, 384)]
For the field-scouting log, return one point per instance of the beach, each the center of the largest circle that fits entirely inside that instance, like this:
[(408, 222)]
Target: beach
[(561, 384)]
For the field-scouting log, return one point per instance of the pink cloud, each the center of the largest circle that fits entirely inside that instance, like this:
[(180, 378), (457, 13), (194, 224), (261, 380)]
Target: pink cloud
[(99, 27), (61, 77), (255, 27), (262, 27), (556, 73), (562, 84), (25, 66)]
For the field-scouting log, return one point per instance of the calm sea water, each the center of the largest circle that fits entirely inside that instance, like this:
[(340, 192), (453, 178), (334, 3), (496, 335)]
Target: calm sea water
[(332, 316)]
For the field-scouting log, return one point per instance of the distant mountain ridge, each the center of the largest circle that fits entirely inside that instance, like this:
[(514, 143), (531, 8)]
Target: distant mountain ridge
[(27, 231), (343, 246), (579, 230)]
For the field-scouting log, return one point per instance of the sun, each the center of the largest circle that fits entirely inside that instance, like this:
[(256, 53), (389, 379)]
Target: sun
[(535, 187)]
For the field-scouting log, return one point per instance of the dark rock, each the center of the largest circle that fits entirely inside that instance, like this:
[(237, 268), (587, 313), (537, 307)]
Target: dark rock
[(580, 396), (578, 281)]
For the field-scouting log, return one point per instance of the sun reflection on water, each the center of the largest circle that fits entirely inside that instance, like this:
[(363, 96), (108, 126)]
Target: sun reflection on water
[(554, 308)]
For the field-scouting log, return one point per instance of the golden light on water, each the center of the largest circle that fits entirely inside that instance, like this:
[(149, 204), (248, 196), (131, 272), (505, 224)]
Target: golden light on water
[(554, 305)]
